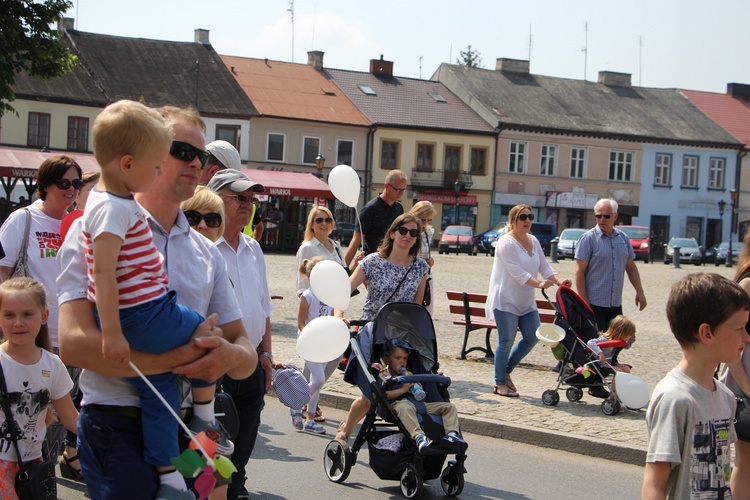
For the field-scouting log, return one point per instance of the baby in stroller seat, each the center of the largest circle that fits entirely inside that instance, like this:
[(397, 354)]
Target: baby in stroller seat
[(402, 398)]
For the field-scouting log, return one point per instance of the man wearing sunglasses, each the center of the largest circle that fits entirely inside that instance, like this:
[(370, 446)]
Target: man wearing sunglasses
[(247, 269), (110, 433), (377, 215), (603, 256)]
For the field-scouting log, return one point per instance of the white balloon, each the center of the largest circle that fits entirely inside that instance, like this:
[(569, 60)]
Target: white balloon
[(344, 184), (631, 390), (330, 284), (324, 339)]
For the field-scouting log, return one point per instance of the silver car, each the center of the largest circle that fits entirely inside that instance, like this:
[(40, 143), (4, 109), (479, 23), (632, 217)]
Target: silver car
[(690, 252), (568, 242)]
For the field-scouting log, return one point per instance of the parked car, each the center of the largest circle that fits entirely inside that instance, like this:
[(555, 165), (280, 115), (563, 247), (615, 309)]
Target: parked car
[(709, 256), (543, 231), (690, 252), (343, 233), (723, 249), (568, 241), (458, 239), (640, 238)]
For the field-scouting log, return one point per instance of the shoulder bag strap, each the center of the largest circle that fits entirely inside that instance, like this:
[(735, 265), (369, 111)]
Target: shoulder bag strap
[(25, 244), (5, 400), (402, 281)]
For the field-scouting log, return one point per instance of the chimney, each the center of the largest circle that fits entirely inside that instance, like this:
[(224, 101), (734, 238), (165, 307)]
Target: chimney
[(738, 90), (380, 67), (65, 23), (512, 65), (614, 79), (315, 59), (201, 36)]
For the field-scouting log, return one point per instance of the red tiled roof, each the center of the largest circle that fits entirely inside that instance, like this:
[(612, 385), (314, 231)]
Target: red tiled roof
[(289, 90), (732, 113)]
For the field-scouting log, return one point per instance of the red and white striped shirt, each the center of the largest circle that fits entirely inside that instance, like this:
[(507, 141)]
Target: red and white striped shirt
[(140, 267)]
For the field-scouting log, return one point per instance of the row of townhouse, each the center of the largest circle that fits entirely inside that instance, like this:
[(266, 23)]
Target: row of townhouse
[(473, 141)]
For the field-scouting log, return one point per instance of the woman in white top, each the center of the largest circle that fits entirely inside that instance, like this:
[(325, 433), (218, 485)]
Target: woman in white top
[(425, 212), (511, 302), (320, 224)]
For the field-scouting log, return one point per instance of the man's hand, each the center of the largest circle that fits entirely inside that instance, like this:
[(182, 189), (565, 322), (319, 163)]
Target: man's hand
[(267, 365), (640, 301), (220, 355)]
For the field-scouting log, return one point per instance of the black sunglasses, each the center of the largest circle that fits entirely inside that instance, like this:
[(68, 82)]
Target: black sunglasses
[(194, 218), (187, 152), (523, 217), (599, 216), (240, 197), (65, 184), (320, 220), (412, 232)]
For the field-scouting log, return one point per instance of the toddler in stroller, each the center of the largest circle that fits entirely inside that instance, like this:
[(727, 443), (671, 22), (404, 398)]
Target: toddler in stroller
[(401, 335)]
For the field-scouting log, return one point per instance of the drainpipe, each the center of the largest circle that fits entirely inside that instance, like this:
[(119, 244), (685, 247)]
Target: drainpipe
[(494, 174), (369, 162), (737, 174)]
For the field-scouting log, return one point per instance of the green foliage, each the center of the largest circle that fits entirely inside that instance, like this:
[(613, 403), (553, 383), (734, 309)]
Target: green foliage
[(470, 58), (28, 42)]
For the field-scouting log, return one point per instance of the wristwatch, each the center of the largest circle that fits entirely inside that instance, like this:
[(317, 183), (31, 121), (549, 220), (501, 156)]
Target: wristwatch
[(268, 355)]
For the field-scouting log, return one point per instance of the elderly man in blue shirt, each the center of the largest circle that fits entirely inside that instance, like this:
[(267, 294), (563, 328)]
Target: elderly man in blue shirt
[(603, 256)]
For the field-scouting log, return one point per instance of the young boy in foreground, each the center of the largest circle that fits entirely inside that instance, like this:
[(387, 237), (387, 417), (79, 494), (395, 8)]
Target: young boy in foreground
[(690, 415)]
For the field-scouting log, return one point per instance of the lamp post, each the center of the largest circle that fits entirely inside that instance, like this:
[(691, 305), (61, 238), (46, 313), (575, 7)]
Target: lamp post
[(722, 204), (319, 162), (457, 189), (733, 197)]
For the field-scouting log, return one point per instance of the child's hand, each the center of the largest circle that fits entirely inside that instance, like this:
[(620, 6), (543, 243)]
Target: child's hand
[(602, 358), (208, 327), (116, 348)]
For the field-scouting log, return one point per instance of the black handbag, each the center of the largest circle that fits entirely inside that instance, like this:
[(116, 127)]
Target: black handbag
[(742, 419), (35, 480), (427, 298), (226, 413)]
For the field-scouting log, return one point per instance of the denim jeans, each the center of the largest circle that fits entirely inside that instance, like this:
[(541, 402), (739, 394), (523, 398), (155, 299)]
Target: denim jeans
[(507, 324), (248, 398)]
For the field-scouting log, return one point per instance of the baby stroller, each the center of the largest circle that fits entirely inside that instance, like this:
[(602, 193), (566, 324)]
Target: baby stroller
[(410, 322), (579, 367)]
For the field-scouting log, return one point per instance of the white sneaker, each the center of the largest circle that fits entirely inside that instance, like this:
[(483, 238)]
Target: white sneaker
[(311, 426)]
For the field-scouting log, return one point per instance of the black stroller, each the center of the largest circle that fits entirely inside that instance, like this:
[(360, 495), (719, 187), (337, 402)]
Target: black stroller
[(579, 367), (410, 322)]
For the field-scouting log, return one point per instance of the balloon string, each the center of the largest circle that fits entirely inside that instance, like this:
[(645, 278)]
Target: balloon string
[(176, 417), (359, 225)]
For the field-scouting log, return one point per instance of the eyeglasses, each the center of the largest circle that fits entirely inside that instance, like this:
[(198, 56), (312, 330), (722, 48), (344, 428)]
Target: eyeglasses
[(187, 152), (397, 189), (240, 197), (321, 220), (411, 232), (599, 216), (523, 217), (65, 184), (194, 218), (425, 221)]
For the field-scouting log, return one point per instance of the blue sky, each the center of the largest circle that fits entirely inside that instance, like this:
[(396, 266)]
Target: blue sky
[(688, 44)]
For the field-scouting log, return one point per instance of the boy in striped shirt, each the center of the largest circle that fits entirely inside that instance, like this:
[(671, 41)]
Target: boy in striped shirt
[(127, 281)]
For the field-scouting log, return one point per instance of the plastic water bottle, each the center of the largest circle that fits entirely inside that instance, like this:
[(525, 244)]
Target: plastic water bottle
[(418, 392)]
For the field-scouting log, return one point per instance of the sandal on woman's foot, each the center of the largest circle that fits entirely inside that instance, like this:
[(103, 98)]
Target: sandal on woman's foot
[(510, 383), (504, 390), (68, 471), (341, 435), (319, 416)]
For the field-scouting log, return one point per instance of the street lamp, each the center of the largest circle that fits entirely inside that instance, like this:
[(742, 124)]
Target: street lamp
[(722, 204), (319, 162), (457, 189), (733, 197)]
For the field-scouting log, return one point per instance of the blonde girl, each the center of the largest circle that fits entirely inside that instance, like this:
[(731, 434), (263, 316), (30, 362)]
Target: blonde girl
[(620, 328), (425, 212), (35, 378), (310, 307)]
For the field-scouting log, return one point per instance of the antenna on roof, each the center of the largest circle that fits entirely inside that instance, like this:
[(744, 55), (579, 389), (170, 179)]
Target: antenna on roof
[(529, 43), (312, 47), (585, 49), (291, 11), (197, 78), (420, 67), (640, 59)]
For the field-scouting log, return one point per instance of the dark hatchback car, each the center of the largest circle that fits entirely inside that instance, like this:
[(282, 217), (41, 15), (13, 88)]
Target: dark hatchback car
[(543, 231), (343, 233)]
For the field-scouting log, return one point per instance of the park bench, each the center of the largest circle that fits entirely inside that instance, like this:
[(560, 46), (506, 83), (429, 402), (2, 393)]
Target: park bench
[(470, 306)]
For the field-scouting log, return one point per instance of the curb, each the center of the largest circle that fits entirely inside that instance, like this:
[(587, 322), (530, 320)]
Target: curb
[(572, 443)]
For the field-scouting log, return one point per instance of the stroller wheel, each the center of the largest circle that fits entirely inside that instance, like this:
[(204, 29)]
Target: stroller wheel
[(337, 461), (410, 481), (550, 397), (452, 481), (573, 394), (610, 407)]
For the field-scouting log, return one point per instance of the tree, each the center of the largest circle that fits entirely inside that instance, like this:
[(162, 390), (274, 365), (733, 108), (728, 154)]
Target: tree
[(28, 42), (470, 58)]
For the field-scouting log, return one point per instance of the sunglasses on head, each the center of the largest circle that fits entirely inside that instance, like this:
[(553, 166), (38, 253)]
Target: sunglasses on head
[(187, 152), (411, 232), (65, 184), (523, 217), (320, 220), (194, 218), (240, 197), (599, 216)]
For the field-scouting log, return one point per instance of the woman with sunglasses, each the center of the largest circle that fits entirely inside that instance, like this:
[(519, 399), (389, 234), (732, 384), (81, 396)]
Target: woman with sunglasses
[(204, 212), (424, 211), (317, 243), (88, 181), (519, 260), (394, 273)]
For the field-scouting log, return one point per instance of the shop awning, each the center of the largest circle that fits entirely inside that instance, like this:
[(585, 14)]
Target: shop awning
[(279, 183), (26, 162)]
